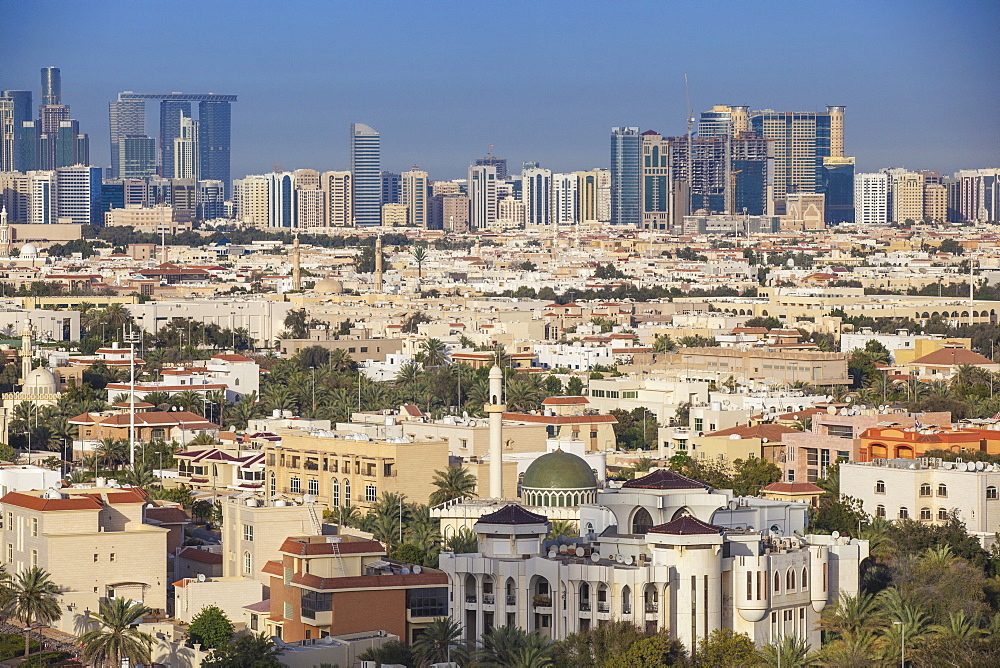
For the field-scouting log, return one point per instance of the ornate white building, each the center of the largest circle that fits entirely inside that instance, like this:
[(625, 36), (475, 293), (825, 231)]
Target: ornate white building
[(663, 552)]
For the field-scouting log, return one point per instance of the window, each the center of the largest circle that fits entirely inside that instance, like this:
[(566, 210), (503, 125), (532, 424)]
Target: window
[(925, 513), (295, 485), (840, 430), (10, 553), (805, 579), (943, 514), (247, 564), (790, 580), (903, 513), (777, 582), (335, 493), (313, 486), (880, 510), (371, 494), (34, 526), (942, 490), (925, 489), (699, 424), (274, 485), (347, 492), (880, 486), (253, 622), (791, 475), (34, 558), (248, 532), (991, 492), (111, 557), (313, 602), (824, 458)]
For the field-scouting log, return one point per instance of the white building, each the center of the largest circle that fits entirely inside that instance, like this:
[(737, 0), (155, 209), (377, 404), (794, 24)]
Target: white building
[(663, 552), (18, 478), (927, 490), (482, 187), (536, 193), (871, 198), (575, 357), (565, 199)]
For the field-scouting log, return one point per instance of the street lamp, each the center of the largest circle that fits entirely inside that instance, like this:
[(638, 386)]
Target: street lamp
[(902, 643)]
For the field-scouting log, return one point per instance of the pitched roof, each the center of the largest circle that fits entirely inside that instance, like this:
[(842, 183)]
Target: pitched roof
[(167, 515), (687, 526), (793, 488), (300, 548), (564, 401), (772, 432), (513, 514), (664, 479), (953, 357), (201, 556), (368, 581)]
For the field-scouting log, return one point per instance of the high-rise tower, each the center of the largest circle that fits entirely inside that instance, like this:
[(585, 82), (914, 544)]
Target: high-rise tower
[(414, 197), (214, 133), (366, 167), (127, 118), (482, 198), (51, 85), (171, 112), (625, 176)]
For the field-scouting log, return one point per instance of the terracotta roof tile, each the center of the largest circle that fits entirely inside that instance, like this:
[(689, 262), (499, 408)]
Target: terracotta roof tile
[(513, 514), (664, 479), (201, 556), (687, 526)]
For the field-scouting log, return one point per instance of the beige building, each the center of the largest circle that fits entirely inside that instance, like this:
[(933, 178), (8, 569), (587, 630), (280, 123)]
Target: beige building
[(455, 213), (231, 595), (935, 202), (338, 470), (90, 541), (394, 215), (908, 197), (414, 196), (764, 366), (252, 200), (338, 195), (310, 206), (588, 188), (805, 209), (151, 220)]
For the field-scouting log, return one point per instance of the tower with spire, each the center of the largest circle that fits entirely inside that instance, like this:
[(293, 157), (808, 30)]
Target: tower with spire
[(495, 410), (5, 236)]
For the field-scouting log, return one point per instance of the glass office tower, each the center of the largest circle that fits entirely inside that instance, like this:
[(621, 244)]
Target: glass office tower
[(625, 176), (366, 167)]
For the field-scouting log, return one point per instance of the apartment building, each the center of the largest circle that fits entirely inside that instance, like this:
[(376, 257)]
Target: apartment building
[(88, 539), (895, 441), (254, 530), (339, 469), (221, 469), (928, 490), (661, 396), (764, 366), (329, 585), (180, 426)]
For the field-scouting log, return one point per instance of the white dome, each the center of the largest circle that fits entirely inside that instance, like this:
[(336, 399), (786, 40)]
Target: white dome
[(329, 286), (29, 249), (41, 381)]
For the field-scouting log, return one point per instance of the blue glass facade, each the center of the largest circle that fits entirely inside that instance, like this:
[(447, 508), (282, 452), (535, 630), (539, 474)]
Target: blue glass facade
[(838, 184), (170, 129), (214, 139), (366, 163), (625, 181)]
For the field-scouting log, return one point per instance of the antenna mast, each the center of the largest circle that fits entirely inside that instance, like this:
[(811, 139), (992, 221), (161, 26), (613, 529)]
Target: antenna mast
[(690, 155)]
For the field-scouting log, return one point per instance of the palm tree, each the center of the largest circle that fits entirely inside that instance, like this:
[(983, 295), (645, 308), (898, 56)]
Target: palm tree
[(189, 400), (118, 637), (464, 541), (114, 316), (279, 398), (435, 353), (664, 344), (452, 483), (852, 615), (158, 399), (347, 516), (139, 475), (791, 652), (563, 528), (959, 627), (423, 529), (419, 256), (408, 374), (33, 598), (244, 410), (112, 452), (340, 361), (218, 397), (506, 646), (441, 642)]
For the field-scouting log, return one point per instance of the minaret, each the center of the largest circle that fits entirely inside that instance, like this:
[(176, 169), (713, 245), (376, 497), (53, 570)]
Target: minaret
[(25, 352), (495, 410), (378, 263), (4, 233), (296, 265)]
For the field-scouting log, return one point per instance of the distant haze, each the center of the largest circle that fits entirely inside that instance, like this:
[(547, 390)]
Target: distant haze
[(542, 81)]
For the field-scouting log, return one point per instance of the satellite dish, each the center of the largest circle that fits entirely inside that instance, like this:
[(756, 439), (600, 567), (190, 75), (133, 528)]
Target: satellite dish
[(595, 557), (733, 505), (579, 551), (775, 529), (552, 553), (980, 466), (417, 569), (962, 466), (835, 534), (631, 561)]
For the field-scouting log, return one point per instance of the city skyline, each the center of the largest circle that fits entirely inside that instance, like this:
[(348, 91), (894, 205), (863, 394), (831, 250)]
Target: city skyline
[(446, 119)]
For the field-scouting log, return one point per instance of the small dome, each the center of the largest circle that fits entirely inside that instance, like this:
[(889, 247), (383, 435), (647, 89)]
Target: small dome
[(41, 381), (559, 470), (29, 250), (329, 286)]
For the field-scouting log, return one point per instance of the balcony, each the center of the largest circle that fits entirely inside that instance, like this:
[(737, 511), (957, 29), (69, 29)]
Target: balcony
[(542, 601), (488, 599), (470, 598), (603, 607), (584, 606), (652, 608), (511, 599)]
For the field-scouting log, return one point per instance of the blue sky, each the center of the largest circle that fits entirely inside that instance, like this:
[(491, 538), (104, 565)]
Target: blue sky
[(541, 80)]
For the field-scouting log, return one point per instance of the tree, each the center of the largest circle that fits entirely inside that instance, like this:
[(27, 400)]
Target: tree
[(391, 653), (753, 473), (574, 387), (791, 652), (419, 254), (505, 646), (211, 628), (464, 541), (434, 352), (597, 647), (664, 344), (656, 651), (139, 475), (249, 651), (724, 648), (452, 483), (118, 637), (441, 642), (33, 598)]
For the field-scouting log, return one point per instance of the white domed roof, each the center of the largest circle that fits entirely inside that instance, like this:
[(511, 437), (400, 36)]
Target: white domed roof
[(329, 286), (41, 381), (29, 249)]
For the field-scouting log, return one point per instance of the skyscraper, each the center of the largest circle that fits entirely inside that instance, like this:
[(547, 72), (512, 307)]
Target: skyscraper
[(801, 140), (838, 185), (67, 149), (482, 198), (136, 157), (724, 121), (536, 193), (413, 195), (127, 117), (587, 196), (78, 194), (565, 199), (499, 163), (282, 210), (871, 198), (214, 140), (15, 111), (366, 167), (187, 156), (390, 188), (171, 113), (625, 176), (42, 197), (656, 184), (338, 194), (51, 85)]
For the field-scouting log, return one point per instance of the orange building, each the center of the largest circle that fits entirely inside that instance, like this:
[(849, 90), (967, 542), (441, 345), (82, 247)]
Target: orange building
[(331, 585), (909, 443)]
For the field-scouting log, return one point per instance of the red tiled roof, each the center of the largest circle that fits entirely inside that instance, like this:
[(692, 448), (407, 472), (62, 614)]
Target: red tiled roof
[(953, 357), (273, 568), (232, 358), (201, 556), (772, 432), (167, 515), (664, 479), (300, 548), (687, 526), (259, 606), (565, 401), (87, 502), (793, 488)]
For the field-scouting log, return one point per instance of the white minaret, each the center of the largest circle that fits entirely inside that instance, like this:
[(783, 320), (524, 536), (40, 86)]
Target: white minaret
[(5, 240), (26, 352), (495, 409)]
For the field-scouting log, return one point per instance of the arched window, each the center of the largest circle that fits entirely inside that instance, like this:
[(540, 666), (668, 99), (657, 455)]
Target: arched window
[(627, 600), (642, 522), (925, 489), (880, 510), (247, 564), (991, 492), (925, 513), (942, 514), (942, 490), (274, 485), (777, 582), (903, 513), (790, 580), (335, 493), (805, 579), (347, 492), (880, 486)]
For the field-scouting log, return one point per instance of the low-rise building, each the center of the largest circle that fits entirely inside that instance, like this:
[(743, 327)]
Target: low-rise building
[(927, 490), (93, 542)]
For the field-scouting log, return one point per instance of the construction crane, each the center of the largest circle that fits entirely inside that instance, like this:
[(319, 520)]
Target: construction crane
[(732, 191)]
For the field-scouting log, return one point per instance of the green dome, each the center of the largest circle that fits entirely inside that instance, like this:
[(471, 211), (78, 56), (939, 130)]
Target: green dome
[(559, 470)]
